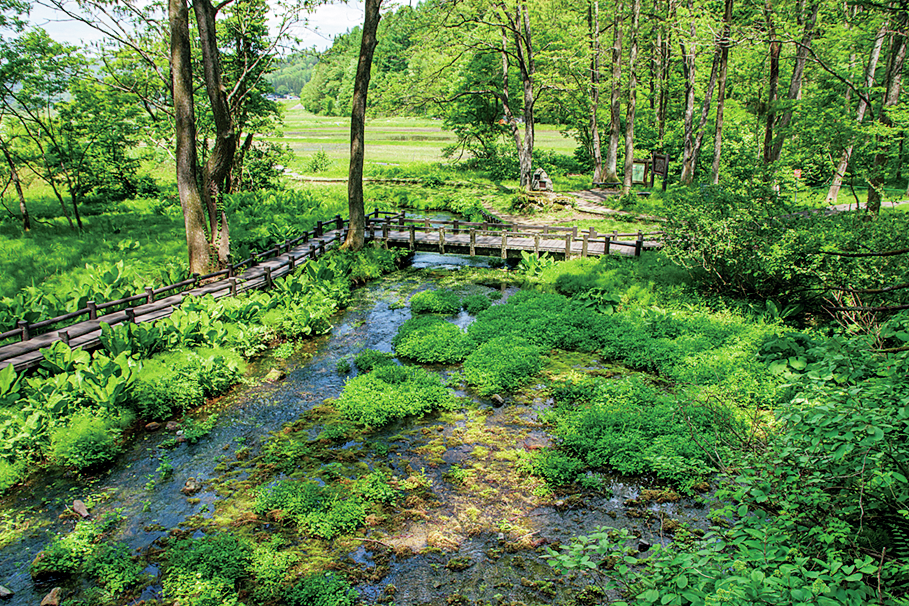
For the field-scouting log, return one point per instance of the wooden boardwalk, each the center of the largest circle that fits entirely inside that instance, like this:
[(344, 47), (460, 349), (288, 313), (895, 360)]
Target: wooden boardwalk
[(260, 270)]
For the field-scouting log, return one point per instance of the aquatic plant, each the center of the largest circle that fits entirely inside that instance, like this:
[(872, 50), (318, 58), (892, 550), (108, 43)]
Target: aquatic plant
[(440, 301), (502, 364), (393, 392), (430, 339)]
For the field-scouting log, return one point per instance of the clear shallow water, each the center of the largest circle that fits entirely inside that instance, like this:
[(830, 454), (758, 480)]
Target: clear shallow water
[(492, 524)]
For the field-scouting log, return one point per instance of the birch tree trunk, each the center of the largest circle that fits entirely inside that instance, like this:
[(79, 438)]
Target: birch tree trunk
[(593, 21), (14, 177), (615, 104), (356, 234), (860, 111), (893, 84), (632, 98), (689, 57), (721, 92)]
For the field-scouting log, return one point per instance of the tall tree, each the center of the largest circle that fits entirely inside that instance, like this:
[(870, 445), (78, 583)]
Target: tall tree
[(721, 92), (593, 26), (610, 173), (185, 131), (632, 97), (837, 181), (892, 87), (356, 235)]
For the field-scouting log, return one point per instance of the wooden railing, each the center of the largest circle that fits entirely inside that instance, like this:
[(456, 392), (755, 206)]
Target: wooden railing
[(25, 330), (381, 222)]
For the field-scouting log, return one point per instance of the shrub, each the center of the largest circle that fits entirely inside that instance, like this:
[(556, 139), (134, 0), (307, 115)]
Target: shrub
[(393, 392), (446, 302), (323, 512), (114, 568), (502, 364), (86, 440), (270, 567), (368, 359), (546, 320), (474, 304), (431, 339), (66, 554), (375, 487), (557, 467), (204, 572), (321, 590)]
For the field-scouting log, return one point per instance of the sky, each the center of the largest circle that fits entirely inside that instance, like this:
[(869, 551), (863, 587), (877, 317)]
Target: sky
[(324, 24)]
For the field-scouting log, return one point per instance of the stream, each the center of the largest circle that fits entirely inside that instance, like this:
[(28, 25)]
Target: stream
[(480, 535)]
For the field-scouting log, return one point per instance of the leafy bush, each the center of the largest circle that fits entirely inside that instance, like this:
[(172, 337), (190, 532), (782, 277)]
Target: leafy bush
[(368, 359), (319, 162), (270, 568), (502, 364), (474, 304), (631, 427), (112, 565), (546, 320), (442, 301), (430, 339), (321, 590), (375, 487), (86, 440), (393, 392), (205, 571), (321, 511), (66, 554)]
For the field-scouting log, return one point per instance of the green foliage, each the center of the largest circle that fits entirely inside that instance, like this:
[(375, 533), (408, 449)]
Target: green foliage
[(532, 265), (368, 359), (441, 301), (751, 244), (86, 440), (375, 487), (474, 304), (430, 339), (546, 320), (205, 571), (318, 162), (393, 392), (342, 366), (193, 430), (270, 568), (631, 427), (323, 512), (321, 590), (113, 567), (502, 364), (66, 554)]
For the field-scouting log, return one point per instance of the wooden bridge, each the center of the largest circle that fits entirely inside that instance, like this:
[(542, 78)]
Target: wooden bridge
[(261, 269)]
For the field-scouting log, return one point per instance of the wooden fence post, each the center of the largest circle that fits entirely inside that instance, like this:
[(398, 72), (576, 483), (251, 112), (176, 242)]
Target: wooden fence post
[(131, 315), (92, 310), (567, 247), (505, 244), (268, 280), (64, 336), (606, 247), (473, 241), (386, 226), (291, 262), (536, 244), (233, 287), (639, 245), (413, 236), (442, 240), (312, 251), (584, 245), (149, 294), (319, 228), (339, 222), (456, 230), (23, 326)]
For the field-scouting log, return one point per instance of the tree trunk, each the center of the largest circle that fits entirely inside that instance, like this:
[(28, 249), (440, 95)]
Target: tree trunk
[(185, 131), (14, 176), (689, 62), (524, 46), (862, 108), (663, 45), (891, 97), (217, 168), (356, 234), (689, 166), (776, 48), (593, 22), (721, 92), (632, 98), (615, 105), (795, 83)]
